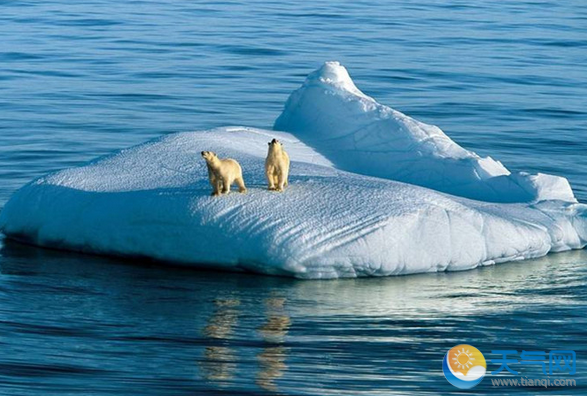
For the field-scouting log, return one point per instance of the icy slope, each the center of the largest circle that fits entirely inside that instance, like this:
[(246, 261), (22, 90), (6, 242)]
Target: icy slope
[(153, 200), (360, 135)]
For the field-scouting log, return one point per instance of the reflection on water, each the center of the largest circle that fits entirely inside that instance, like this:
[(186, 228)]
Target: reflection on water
[(272, 358), (69, 322), (219, 362)]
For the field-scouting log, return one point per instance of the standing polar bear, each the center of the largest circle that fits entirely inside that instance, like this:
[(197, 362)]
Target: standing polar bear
[(223, 173), (276, 166)]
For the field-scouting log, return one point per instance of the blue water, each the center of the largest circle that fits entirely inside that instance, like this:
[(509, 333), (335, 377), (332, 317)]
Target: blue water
[(506, 79)]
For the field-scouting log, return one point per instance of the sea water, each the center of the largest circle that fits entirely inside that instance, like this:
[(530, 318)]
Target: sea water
[(505, 79)]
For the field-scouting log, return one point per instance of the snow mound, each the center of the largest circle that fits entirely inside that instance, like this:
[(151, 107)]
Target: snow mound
[(357, 134), (154, 201)]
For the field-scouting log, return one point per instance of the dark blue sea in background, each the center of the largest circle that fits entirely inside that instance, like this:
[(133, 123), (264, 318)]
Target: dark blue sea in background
[(80, 79)]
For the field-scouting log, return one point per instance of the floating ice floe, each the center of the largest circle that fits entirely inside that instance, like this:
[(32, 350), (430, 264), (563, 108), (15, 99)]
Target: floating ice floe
[(153, 200)]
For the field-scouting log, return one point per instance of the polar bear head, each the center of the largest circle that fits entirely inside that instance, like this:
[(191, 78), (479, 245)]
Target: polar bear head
[(209, 155), (275, 145)]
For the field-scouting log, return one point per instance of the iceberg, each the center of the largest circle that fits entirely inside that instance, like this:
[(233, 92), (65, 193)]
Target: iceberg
[(372, 192), (153, 201), (359, 135)]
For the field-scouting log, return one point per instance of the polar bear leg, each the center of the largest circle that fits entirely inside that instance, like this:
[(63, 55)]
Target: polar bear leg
[(217, 187), (226, 185), (281, 181), (212, 180), (241, 184), (270, 180), (275, 181)]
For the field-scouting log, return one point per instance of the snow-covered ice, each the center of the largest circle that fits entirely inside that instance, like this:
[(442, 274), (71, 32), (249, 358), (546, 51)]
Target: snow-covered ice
[(360, 135), (153, 200)]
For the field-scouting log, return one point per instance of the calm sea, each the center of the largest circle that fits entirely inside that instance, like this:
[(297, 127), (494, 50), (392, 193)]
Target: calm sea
[(80, 79)]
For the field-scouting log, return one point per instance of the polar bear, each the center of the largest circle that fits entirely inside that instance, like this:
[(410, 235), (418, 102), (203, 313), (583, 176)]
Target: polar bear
[(276, 166), (223, 173)]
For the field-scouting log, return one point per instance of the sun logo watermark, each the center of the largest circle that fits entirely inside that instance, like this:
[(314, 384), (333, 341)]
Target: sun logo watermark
[(464, 366)]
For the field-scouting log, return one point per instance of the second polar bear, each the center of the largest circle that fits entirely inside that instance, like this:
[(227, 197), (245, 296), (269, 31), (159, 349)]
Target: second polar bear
[(276, 166), (223, 173)]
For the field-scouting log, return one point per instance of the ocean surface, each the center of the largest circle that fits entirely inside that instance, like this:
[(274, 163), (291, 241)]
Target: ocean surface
[(78, 80)]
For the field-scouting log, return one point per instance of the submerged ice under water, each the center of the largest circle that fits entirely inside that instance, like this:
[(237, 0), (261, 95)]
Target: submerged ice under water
[(80, 80)]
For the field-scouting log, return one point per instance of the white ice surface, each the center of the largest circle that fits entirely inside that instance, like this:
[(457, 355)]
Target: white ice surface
[(153, 201), (360, 135)]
